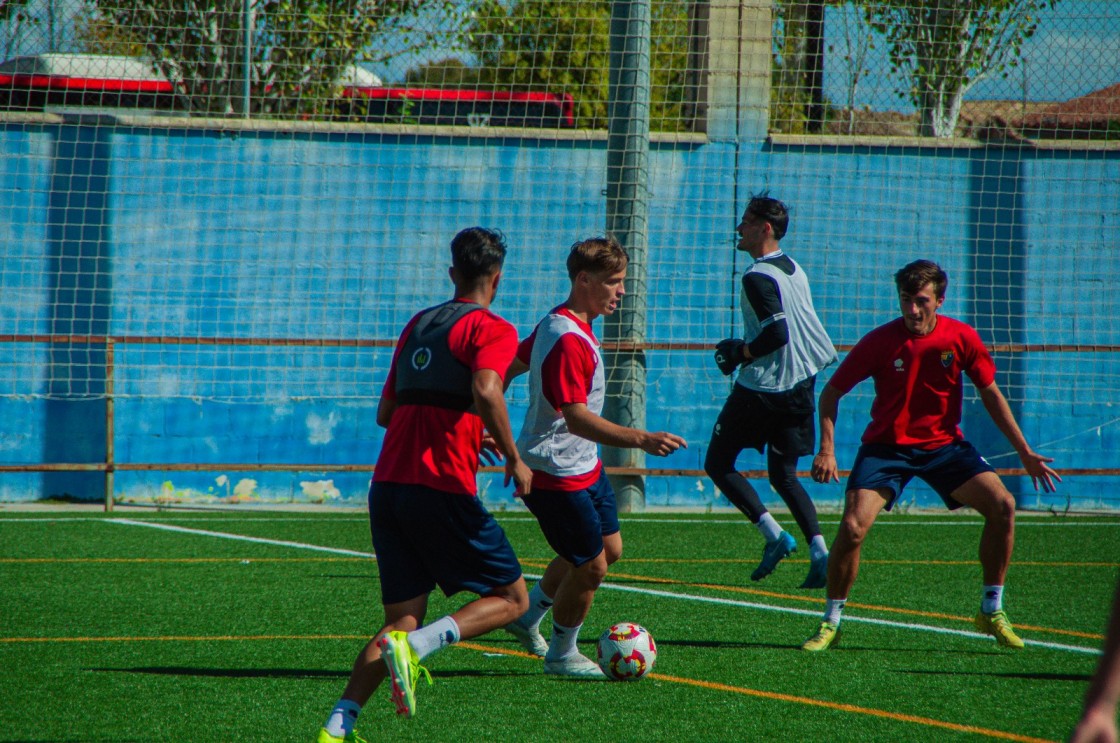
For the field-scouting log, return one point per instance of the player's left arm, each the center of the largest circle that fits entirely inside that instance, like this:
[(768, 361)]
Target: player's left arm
[(1034, 463), (765, 299)]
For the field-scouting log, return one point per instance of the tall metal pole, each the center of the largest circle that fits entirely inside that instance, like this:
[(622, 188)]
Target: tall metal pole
[(627, 221), (246, 56)]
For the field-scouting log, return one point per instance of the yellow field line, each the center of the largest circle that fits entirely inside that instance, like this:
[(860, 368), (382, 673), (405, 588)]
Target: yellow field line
[(808, 701), (849, 605), (181, 638), (637, 578), (540, 562), (672, 679), (69, 560), (952, 563), (535, 562), (852, 708)]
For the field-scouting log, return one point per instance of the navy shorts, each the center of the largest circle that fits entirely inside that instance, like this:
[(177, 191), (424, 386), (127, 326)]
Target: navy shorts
[(944, 469), (425, 538), (574, 522)]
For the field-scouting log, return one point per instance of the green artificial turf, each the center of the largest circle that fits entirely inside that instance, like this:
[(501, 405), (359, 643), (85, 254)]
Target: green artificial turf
[(115, 631)]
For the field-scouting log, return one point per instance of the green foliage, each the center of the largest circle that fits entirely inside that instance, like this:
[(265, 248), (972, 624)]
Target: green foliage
[(299, 47), (789, 96), (947, 46), (445, 73), (563, 46), (15, 20), (8, 9)]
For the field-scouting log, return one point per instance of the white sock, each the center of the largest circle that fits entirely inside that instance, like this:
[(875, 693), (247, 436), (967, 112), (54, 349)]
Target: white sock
[(769, 528), (817, 548), (435, 636), (563, 642), (539, 604), (833, 609), (342, 719), (992, 600)]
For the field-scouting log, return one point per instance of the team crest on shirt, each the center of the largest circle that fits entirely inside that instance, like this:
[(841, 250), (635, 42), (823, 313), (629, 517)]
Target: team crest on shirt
[(946, 358), (421, 357)]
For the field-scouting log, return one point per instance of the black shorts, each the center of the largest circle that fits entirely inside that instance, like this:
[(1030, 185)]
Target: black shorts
[(784, 421), (425, 537), (944, 469)]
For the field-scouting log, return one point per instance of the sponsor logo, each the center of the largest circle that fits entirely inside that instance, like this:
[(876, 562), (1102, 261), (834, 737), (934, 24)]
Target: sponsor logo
[(898, 365), (421, 358)]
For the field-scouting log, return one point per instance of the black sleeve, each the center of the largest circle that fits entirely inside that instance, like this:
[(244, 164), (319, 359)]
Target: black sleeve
[(766, 301)]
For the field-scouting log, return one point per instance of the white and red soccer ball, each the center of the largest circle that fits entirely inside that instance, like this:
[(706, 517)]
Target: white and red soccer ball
[(626, 652)]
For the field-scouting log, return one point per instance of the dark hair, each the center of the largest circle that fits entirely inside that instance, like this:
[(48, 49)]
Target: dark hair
[(477, 252), (597, 255), (912, 277), (761, 206)]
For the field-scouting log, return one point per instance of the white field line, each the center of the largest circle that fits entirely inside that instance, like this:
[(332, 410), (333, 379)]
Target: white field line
[(240, 537), (634, 589), (847, 618), (1021, 522)]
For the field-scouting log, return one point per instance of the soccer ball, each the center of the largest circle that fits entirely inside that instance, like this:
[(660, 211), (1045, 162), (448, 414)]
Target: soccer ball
[(626, 652)]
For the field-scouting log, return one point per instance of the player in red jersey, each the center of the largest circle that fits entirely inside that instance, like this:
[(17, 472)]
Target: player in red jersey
[(429, 529), (916, 362), (1098, 716), (571, 496)]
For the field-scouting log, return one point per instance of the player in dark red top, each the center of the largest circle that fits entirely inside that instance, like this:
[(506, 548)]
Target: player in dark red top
[(429, 529), (916, 362)]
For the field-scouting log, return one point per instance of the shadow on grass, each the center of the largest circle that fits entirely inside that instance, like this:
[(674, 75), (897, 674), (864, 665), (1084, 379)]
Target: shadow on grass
[(296, 673), (227, 672)]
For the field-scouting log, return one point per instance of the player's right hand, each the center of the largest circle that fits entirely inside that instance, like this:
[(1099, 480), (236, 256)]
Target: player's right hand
[(824, 468), (521, 475), (662, 443)]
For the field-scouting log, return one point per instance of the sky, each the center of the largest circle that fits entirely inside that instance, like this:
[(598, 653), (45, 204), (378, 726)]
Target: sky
[(1075, 50)]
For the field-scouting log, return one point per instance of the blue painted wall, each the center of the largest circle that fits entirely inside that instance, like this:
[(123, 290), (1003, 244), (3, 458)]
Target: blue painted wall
[(209, 235)]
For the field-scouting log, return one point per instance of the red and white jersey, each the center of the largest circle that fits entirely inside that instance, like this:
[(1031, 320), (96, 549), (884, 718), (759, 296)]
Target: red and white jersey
[(565, 367), (918, 385), (438, 446)]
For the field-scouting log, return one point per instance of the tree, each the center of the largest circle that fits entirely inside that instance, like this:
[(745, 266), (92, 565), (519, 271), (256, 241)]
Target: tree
[(858, 44), (947, 46), (563, 46), (444, 73), (14, 20), (298, 50)]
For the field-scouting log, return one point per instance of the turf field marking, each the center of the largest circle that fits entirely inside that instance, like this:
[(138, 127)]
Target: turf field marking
[(852, 708), (850, 604), (225, 517), (503, 651), (240, 537), (182, 638), (808, 701), (634, 589), (190, 560), (865, 620)]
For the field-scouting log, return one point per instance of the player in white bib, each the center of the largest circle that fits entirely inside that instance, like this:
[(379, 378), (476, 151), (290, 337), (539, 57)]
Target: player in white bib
[(783, 348), (571, 495)]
